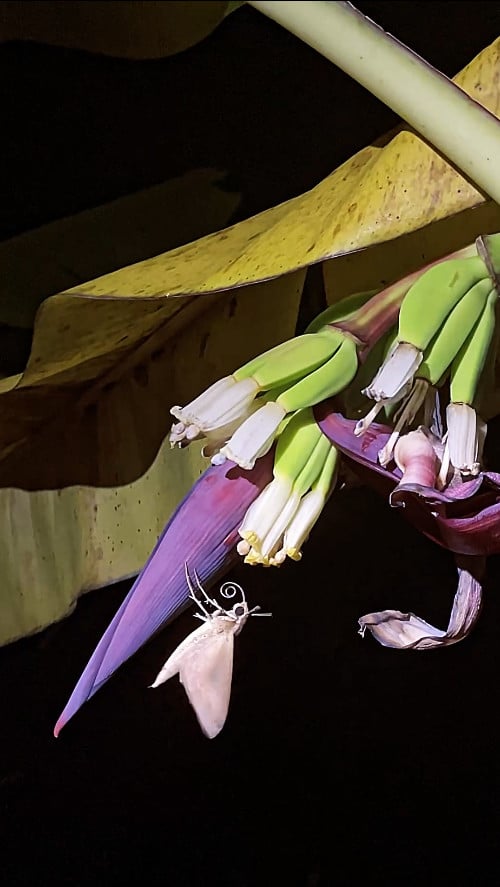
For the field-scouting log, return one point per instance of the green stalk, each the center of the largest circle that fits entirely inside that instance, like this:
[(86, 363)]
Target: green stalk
[(454, 124)]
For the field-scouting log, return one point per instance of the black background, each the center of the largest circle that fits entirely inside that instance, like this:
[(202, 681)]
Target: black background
[(341, 762)]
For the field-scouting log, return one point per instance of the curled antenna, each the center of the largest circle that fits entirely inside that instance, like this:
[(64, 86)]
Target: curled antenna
[(228, 590)]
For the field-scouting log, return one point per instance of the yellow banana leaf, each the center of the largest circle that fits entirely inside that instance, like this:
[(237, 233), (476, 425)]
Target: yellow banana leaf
[(110, 357), (130, 29)]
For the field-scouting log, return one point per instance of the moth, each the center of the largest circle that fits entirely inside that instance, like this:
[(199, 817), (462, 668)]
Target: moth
[(204, 660)]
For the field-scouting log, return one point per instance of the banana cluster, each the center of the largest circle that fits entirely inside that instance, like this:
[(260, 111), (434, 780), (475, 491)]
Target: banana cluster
[(445, 335), (239, 416), (280, 520)]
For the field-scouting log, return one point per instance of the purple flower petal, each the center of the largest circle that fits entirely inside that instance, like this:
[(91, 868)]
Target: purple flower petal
[(405, 631), (203, 532), (465, 518)]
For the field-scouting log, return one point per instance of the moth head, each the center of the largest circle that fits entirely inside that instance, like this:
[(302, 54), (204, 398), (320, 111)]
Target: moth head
[(240, 611)]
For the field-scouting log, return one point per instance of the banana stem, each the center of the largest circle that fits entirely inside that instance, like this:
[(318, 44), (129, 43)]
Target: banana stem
[(458, 127)]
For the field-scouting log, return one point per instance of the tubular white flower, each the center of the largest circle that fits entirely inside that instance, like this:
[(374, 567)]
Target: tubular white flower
[(254, 438), (300, 526), (397, 370), (217, 438), (274, 537), (280, 520), (264, 511), (404, 418), (466, 435), (209, 397), (220, 409), (379, 405)]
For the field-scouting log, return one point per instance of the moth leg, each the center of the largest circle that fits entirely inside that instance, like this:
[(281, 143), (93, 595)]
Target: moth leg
[(192, 594), (218, 610), (208, 600), (206, 615), (255, 611)]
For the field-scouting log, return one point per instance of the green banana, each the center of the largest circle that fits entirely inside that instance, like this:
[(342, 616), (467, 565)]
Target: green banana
[(335, 375), (301, 452), (309, 510), (291, 360), (487, 396), (310, 473), (295, 444), (468, 365), (313, 466), (433, 296), (445, 346)]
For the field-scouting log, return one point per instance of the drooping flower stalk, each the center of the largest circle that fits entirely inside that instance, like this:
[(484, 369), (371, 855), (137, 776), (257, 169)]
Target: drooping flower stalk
[(457, 126)]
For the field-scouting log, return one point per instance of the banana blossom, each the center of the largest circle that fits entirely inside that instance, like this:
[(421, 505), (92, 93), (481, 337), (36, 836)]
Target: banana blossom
[(204, 531), (464, 517)]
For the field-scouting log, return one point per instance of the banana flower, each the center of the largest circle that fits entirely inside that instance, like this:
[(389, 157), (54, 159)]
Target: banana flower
[(275, 460), (464, 518), (203, 531)]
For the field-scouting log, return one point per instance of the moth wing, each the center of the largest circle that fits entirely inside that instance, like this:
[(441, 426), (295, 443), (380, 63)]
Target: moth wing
[(173, 664), (206, 672)]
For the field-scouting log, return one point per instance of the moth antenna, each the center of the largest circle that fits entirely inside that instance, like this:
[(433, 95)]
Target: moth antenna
[(229, 589)]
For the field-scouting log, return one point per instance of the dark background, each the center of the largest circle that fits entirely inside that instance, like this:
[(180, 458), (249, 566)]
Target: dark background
[(341, 761)]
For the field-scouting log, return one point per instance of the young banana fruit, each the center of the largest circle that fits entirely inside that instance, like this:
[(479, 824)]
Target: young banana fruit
[(457, 285), (431, 299), (446, 330), (466, 431), (442, 351), (282, 516)]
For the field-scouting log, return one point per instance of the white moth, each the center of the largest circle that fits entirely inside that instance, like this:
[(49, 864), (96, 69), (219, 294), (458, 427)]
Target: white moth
[(204, 660)]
